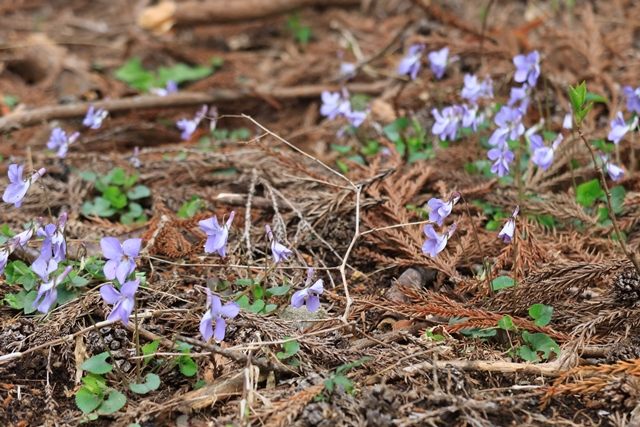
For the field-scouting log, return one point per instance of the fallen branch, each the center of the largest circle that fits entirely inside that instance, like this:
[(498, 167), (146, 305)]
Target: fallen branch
[(552, 369), (181, 99), (163, 16)]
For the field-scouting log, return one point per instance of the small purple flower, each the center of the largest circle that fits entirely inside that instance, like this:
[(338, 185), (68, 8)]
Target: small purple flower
[(615, 172), (435, 242), (134, 159), (619, 128), (216, 312), (356, 118), (94, 118), (511, 120), (447, 122), (474, 90), (188, 127), (527, 68), (123, 300), (4, 258), (17, 189), (567, 122), (279, 251), (519, 98), (21, 239), (310, 295), (438, 61), (439, 209), (502, 157), (217, 236), (347, 70), (53, 242), (121, 257), (48, 292), (542, 156), (170, 87), (334, 104), (44, 268), (410, 64), (61, 142), (506, 234), (470, 117), (633, 99)]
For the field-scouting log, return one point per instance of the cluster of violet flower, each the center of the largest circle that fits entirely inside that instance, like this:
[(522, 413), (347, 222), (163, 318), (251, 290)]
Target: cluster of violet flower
[(60, 141), (338, 104)]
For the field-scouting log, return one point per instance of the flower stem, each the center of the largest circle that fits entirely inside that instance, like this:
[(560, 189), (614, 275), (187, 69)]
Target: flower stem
[(476, 238), (612, 216), (137, 339)]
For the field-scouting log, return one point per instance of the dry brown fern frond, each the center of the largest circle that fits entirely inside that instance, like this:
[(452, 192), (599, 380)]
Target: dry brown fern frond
[(591, 379)]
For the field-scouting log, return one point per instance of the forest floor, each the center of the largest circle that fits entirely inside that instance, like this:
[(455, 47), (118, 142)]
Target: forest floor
[(546, 335)]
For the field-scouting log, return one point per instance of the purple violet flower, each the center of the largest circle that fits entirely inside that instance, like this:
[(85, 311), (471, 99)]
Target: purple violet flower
[(411, 62), (43, 268), (509, 228), (53, 243), (541, 155), (48, 292), (436, 242), (279, 251), (519, 98), (615, 172), (4, 258), (123, 300), (310, 295), (189, 126), (527, 68), (474, 90), (438, 61), (567, 122), (19, 240), (94, 118), (134, 159), (18, 187), (216, 312), (170, 87), (447, 123), (633, 98), (619, 128), (502, 157), (511, 120), (334, 104), (61, 142), (347, 70), (356, 118), (217, 235), (439, 209), (121, 257)]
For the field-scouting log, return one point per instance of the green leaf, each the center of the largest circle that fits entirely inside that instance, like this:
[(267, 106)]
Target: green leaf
[(257, 306), (138, 192), (97, 364), (133, 73), (244, 282), (148, 349), (541, 314), (99, 207), (88, 176), (342, 382), (243, 302), (117, 176), (180, 73), (116, 198), (618, 194), (87, 401), (23, 300), (269, 308), (278, 290), (152, 382), (187, 366), (527, 354), (96, 384), (17, 272), (542, 343), (506, 323), (289, 349), (502, 282), (480, 332), (594, 97), (258, 292), (393, 131), (76, 280), (115, 401), (588, 192), (191, 207), (341, 149)]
